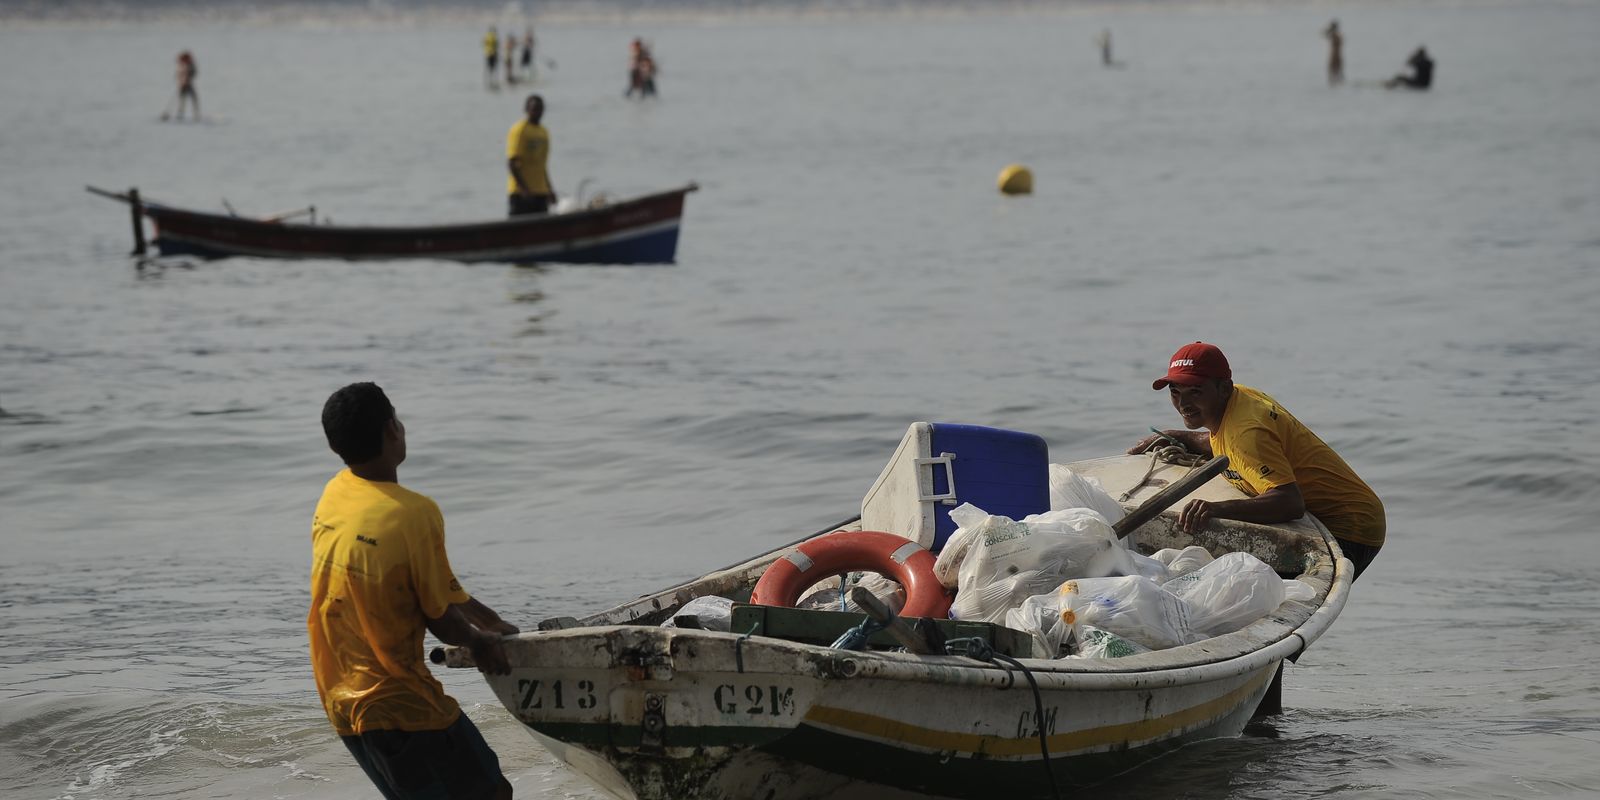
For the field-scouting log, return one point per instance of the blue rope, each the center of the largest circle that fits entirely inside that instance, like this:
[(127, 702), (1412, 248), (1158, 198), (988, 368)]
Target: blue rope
[(856, 638)]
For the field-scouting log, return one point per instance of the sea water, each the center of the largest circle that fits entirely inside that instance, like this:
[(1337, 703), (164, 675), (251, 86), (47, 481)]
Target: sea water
[(1416, 276)]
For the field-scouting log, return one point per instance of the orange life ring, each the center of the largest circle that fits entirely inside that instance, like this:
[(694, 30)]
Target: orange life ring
[(850, 551)]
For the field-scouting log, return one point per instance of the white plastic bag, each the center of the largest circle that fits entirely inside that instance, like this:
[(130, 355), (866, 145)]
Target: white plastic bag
[(1152, 568), (1040, 617), (1007, 561), (715, 613), (1068, 489), (1133, 607), (1229, 593), (1295, 590), (825, 595), (1185, 561), (947, 568), (1095, 642)]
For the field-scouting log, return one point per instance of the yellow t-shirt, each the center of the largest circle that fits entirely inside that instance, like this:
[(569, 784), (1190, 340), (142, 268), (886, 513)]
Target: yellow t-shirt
[(491, 44), (377, 567), (530, 145), (1267, 447)]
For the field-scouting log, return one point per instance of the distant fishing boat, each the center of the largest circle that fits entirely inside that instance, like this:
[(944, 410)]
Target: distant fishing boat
[(770, 710), (641, 230)]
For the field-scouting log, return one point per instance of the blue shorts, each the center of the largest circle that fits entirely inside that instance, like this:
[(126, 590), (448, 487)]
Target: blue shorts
[(429, 765)]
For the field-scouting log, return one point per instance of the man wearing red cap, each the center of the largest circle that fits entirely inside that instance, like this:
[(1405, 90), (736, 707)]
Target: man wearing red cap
[(1284, 468)]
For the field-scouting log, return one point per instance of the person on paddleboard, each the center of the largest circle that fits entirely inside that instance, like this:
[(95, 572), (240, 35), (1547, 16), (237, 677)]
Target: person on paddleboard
[(1335, 53), (528, 157), (1283, 468), (380, 577), (187, 72), (527, 54), (491, 57), (641, 70)]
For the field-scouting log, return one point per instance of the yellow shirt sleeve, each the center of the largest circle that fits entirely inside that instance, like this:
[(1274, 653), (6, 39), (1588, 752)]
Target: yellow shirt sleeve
[(514, 140), (436, 585), (1258, 456)]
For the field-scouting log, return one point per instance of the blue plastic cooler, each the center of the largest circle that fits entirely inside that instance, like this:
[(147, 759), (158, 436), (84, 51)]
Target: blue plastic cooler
[(1002, 472)]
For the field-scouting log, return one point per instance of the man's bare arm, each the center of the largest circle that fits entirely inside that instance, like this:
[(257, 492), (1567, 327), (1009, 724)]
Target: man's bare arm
[(1278, 504), (511, 164), (486, 618), (456, 628)]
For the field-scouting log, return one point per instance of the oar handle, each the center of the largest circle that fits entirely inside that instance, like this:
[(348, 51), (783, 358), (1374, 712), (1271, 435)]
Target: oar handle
[(1169, 496), (897, 627)]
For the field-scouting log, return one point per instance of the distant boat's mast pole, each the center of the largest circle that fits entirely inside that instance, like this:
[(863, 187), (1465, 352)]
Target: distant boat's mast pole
[(138, 222)]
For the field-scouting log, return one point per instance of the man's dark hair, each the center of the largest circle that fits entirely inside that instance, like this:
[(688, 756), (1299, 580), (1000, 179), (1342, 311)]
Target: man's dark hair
[(354, 418)]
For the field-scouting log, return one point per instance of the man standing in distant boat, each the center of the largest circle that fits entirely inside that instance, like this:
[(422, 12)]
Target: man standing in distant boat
[(379, 577), (528, 157), (1335, 53), (1284, 468)]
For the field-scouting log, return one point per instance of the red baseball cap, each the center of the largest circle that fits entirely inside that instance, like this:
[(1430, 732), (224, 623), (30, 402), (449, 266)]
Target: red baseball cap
[(1194, 364)]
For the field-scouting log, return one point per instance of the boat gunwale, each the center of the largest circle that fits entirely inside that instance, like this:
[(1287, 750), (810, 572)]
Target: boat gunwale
[(156, 209)]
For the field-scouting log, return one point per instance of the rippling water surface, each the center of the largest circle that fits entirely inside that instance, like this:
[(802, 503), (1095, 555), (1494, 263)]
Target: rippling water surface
[(1416, 276)]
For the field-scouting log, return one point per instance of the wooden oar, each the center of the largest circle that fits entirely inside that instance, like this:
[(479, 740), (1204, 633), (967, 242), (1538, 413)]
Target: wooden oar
[(1169, 496)]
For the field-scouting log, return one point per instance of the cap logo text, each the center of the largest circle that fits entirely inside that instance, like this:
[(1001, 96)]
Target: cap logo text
[(1182, 362)]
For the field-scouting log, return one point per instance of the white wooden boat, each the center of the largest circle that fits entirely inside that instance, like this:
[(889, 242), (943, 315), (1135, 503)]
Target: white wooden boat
[(656, 713)]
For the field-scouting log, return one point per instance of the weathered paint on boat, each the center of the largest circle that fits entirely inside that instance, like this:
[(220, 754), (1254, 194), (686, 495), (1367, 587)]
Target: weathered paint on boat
[(649, 712)]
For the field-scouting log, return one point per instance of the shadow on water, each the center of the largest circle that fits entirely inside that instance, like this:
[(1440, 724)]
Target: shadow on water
[(1268, 759)]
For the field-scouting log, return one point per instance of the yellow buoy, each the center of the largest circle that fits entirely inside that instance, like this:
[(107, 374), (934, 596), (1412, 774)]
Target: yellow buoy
[(1016, 179)]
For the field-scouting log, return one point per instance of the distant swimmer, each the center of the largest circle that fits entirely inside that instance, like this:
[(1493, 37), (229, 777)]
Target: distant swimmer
[(528, 158), (1104, 42), (491, 57), (187, 71), (1335, 53), (641, 70), (1421, 76)]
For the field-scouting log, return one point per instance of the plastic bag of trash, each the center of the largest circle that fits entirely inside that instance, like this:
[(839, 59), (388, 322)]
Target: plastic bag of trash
[(1133, 607), (1092, 642), (1008, 561), (1229, 593), (947, 568), (1152, 568), (1185, 561), (1295, 590), (1040, 617), (1068, 489), (712, 612), (828, 595)]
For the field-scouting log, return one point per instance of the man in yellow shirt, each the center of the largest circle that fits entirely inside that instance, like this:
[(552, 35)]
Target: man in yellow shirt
[(528, 157), (1284, 468), (379, 577)]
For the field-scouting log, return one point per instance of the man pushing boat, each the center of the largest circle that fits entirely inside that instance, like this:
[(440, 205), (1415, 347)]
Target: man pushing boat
[(379, 577), (1284, 468)]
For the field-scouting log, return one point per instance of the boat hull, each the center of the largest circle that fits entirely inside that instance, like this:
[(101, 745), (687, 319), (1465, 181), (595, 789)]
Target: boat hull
[(653, 712), (638, 231), (659, 713)]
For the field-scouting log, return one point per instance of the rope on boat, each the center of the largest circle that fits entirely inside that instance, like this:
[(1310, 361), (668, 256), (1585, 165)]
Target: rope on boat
[(1172, 453), (738, 647), (980, 650)]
